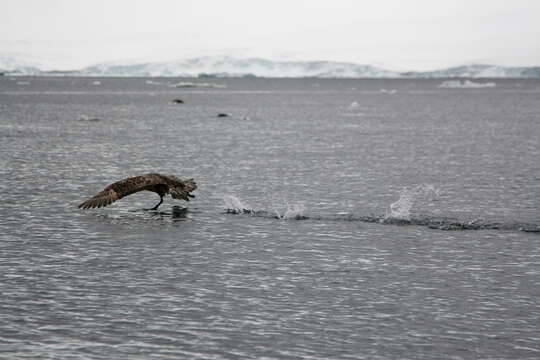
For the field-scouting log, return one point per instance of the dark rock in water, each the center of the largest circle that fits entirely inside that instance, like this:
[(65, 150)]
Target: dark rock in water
[(222, 115), (530, 229), (178, 101), (87, 118)]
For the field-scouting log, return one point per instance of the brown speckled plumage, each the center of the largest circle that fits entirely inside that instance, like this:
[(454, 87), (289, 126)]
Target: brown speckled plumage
[(158, 183)]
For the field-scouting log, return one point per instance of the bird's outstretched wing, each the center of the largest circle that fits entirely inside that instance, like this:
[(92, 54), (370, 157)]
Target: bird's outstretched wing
[(122, 188)]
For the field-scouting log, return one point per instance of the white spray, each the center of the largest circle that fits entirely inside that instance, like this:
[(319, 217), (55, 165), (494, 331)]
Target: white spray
[(401, 209), (235, 205)]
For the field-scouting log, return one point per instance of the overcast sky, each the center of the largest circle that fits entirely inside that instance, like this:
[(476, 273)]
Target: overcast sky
[(395, 34)]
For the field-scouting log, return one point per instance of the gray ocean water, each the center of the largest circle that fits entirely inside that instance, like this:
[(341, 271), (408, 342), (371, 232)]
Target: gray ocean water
[(385, 219)]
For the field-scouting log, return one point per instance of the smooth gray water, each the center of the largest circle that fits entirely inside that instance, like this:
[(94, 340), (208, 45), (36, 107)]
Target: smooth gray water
[(122, 283)]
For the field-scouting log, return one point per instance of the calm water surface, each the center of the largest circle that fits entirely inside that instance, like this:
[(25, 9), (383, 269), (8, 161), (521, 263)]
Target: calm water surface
[(419, 238)]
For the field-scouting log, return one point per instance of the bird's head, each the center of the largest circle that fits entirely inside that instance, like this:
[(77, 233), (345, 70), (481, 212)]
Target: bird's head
[(190, 185)]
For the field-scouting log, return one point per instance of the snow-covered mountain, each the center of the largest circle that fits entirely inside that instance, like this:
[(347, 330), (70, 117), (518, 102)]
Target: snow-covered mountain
[(225, 66), (478, 71), (233, 67), (17, 66)]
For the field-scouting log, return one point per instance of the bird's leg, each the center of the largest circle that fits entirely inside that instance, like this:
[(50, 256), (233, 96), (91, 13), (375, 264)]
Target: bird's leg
[(159, 203)]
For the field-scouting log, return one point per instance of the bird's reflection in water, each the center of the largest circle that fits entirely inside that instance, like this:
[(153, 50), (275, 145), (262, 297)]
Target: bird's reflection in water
[(178, 213)]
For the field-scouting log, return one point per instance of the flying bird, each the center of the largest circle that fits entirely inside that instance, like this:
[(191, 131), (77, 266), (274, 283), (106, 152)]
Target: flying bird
[(158, 183)]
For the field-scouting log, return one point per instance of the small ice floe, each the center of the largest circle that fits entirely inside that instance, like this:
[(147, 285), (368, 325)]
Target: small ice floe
[(96, 83), (390, 92), (23, 82), (187, 84), (466, 84), (88, 118), (353, 106), (357, 114), (352, 110), (151, 82)]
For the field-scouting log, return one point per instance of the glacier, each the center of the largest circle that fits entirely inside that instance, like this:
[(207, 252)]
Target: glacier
[(13, 65), (478, 71), (227, 66)]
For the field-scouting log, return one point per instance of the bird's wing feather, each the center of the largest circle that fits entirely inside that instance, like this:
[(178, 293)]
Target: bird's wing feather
[(101, 199), (122, 188)]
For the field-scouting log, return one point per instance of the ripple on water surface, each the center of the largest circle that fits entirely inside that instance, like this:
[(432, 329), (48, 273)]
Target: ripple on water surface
[(348, 280)]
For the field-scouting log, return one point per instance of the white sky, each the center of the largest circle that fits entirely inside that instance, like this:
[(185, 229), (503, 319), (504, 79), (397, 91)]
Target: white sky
[(395, 34)]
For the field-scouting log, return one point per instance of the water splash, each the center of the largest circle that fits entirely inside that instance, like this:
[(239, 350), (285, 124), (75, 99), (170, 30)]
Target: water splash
[(294, 211), (235, 206), (283, 209), (399, 213), (401, 209)]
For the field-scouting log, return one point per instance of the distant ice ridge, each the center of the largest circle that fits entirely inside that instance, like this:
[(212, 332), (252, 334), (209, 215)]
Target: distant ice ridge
[(478, 71), (17, 66), (225, 66), (466, 84)]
